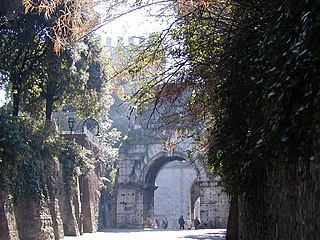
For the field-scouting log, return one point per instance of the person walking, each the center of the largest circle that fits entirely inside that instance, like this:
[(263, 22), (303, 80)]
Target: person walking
[(196, 223), (189, 224), (165, 223), (181, 222), (155, 224)]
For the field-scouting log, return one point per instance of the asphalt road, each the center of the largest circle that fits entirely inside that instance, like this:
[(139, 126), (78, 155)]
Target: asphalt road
[(147, 234)]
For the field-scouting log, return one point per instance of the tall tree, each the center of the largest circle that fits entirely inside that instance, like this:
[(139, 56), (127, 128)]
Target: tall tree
[(176, 70), (34, 73), (71, 19), (23, 41)]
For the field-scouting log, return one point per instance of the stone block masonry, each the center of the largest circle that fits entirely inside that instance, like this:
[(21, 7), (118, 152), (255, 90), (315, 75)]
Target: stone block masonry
[(65, 213), (284, 204), (33, 221), (8, 226), (142, 158)]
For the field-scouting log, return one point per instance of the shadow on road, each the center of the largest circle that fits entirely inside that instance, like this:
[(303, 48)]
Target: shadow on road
[(152, 234), (220, 235)]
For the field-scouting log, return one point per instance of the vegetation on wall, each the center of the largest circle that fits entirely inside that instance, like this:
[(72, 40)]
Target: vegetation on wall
[(38, 81), (24, 157), (269, 93), (247, 71), (28, 153)]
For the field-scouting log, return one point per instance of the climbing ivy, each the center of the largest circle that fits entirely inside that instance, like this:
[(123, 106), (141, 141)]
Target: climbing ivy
[(23, 157), (269, 91), (76, 161), (27, 156)]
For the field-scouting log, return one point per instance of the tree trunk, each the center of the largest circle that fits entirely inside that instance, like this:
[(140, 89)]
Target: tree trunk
[(16, 100), (49, 105), (233, 220)]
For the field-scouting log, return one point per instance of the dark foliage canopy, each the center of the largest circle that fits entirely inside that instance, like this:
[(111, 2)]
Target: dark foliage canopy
[(269, 91)]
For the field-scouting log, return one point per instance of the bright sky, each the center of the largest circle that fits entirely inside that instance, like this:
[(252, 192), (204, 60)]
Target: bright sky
[(136, 23), (2, 97), (132, 23)]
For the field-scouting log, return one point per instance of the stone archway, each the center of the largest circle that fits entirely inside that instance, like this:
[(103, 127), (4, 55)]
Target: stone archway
[(141, 159), (195, 195), (172, 198), (150, 186)]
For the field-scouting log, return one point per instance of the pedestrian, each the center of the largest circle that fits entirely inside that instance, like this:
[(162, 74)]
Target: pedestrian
[(165, 223), (189, 224), (154, 224), (196, 223), (181, 222)]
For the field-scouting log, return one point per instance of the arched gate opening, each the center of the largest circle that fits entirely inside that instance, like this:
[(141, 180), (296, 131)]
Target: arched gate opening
[(150, 186)]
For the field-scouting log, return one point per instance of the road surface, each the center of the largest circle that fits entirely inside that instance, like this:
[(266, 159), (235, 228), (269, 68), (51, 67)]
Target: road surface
[(147, 234)]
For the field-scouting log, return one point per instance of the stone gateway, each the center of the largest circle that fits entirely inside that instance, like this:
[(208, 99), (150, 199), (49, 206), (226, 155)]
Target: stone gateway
[(184, 184)]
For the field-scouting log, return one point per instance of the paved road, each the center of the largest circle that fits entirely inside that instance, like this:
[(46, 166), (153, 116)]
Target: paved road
[(120, 234)]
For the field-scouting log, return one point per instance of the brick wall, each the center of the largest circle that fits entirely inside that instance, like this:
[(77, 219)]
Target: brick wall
[(90, 202), (33, 221), (8, 227), (286, 206), (59, 216)]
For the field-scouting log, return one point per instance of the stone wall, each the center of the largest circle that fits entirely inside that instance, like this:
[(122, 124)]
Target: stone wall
[(34, 221), (8, 226), (142, 156), (129, 206), (60, 215), (214, 203), (69, 214), (90, 202), (56, 194), (293, 211), (285, 206)]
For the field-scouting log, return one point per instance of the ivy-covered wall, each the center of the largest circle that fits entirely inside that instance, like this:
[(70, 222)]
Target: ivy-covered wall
[(266, 135), (39, 183), (285, 205), (293, 206), (65, 213)]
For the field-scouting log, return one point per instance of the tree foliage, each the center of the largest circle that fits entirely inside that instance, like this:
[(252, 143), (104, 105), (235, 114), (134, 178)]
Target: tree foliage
[(89, 75), (39, 81), (270, 91), (249, 69), (37, 78), (175, 70), (70, 19), (23, 45)]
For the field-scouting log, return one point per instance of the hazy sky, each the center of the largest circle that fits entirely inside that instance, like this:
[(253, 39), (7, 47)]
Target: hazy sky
[(2, 96), (136, 23)]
